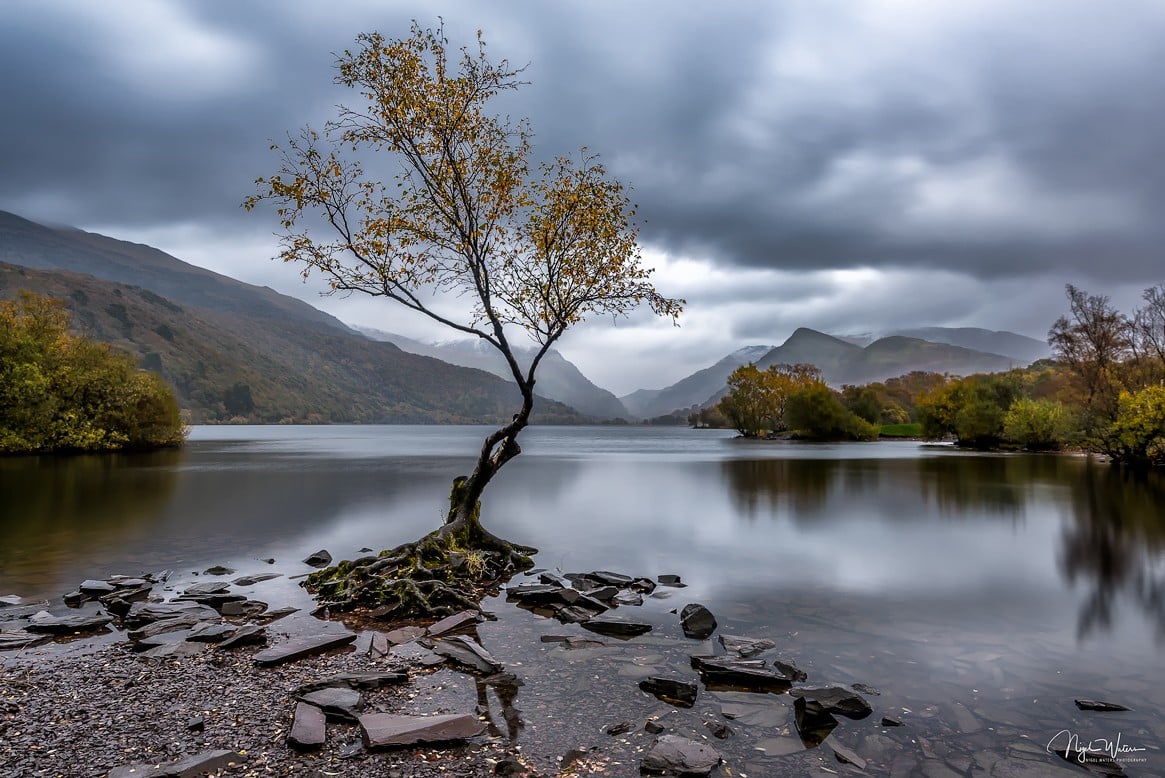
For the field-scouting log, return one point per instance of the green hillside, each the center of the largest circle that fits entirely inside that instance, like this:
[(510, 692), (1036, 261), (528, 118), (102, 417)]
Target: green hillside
[(245, 367)]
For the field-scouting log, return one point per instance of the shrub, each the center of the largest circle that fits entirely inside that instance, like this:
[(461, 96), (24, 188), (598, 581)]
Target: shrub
[(1037, 425)]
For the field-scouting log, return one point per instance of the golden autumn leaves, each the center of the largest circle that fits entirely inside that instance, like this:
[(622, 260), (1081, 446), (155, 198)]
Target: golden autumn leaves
[(540, 247)]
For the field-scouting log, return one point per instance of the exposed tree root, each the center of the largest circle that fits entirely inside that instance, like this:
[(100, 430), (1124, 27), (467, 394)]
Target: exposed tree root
[(449, 570)]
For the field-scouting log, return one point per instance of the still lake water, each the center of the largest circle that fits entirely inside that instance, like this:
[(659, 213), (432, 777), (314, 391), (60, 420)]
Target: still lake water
[(980, 593)]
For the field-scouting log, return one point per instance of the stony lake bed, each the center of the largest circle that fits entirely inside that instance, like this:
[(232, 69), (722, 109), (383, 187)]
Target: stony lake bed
[(988, 688)]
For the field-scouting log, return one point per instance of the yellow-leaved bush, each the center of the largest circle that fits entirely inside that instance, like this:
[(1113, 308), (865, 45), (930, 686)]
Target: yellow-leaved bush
[(60, 392)]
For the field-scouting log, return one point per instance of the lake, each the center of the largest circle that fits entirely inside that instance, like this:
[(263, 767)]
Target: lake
[(979, 593)]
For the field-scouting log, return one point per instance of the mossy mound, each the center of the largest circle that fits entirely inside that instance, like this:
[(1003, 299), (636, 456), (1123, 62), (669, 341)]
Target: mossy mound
[(434, 577)]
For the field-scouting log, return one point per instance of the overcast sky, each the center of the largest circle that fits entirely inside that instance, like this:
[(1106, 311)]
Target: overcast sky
[(850, 165)]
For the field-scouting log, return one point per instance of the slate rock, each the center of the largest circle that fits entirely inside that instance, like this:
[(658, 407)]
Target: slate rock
[(309, 728), (670, 690), (354, 681), (547, 577), (340, 703), (571, 614), (187, 767), (207, 632), (46, 623), (320, 558), (243, 607), (673, 581), (270, 616), (616, 628), (466, 652), (653, 727), (1100, 706), (386, 730), (218, 570), (744, 646), (604, 593), (246, 635), (889, 721), (145, 612), (542, 594), (403, 635), (642, 585), (719, 729), (622, 728), (610, 579), (627, 598), (168, 650), (130, 582), (835, 699), (96, 588), (75, 599), (196, 723), (697, 621), (162, 626), (453, 623), (251, 580), (814, 722), (790, 670), (161, 639), (10, 600), (846, 755), (297, 648), (678, 755), (744, 674), (18, 638), (206, 587)]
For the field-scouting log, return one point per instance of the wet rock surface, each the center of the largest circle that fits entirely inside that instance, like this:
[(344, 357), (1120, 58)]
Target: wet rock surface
[(450, 710)]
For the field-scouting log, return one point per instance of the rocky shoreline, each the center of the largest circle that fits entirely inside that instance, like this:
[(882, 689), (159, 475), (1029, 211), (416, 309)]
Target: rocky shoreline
[(125, 681)]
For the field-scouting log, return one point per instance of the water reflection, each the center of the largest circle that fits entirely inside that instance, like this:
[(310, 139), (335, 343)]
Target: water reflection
[(51, 508), (1112, 536), (1114, 546)]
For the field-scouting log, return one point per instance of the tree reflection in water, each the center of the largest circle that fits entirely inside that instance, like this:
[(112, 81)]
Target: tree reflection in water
[(1115, 545), (1112, 538)]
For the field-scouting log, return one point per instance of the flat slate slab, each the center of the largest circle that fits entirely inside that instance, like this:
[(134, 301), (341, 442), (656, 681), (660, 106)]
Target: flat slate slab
[(63, 625), (341, 703), (145, 612), (451, 623), (354, 681), (672, 754), (308, 728), (297, 648), (467, 652), (18, 638), (387, 730), (188, 767), (615, 628)]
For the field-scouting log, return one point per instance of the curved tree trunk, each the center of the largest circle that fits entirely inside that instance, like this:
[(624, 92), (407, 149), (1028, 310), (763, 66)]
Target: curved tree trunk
[(463, 522)]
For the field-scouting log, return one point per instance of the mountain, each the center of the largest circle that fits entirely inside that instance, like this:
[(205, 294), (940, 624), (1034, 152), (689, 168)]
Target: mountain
[(1019, 347), (806, 346), (693, 390), (557, 377), (840, 361), (233, 350), (26, 243)]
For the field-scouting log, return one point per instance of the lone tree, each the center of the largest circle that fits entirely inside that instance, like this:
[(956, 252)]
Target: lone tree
[(531, 249)]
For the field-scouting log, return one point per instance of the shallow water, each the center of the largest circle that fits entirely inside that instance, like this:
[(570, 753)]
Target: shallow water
[(980, 593)]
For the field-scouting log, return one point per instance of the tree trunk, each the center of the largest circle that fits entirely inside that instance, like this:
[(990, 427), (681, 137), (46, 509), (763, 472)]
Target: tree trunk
[(463, 522)]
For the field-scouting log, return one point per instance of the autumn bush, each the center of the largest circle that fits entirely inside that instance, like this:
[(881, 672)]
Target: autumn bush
[(60, 392)]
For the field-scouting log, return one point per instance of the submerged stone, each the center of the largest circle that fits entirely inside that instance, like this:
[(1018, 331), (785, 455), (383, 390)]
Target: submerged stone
[(670, 690), (251, 580), (616, 628), (745, 646), (1100, 706)]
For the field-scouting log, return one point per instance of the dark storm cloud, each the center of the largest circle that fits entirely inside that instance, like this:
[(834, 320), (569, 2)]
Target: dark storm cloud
[(994, 139)]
